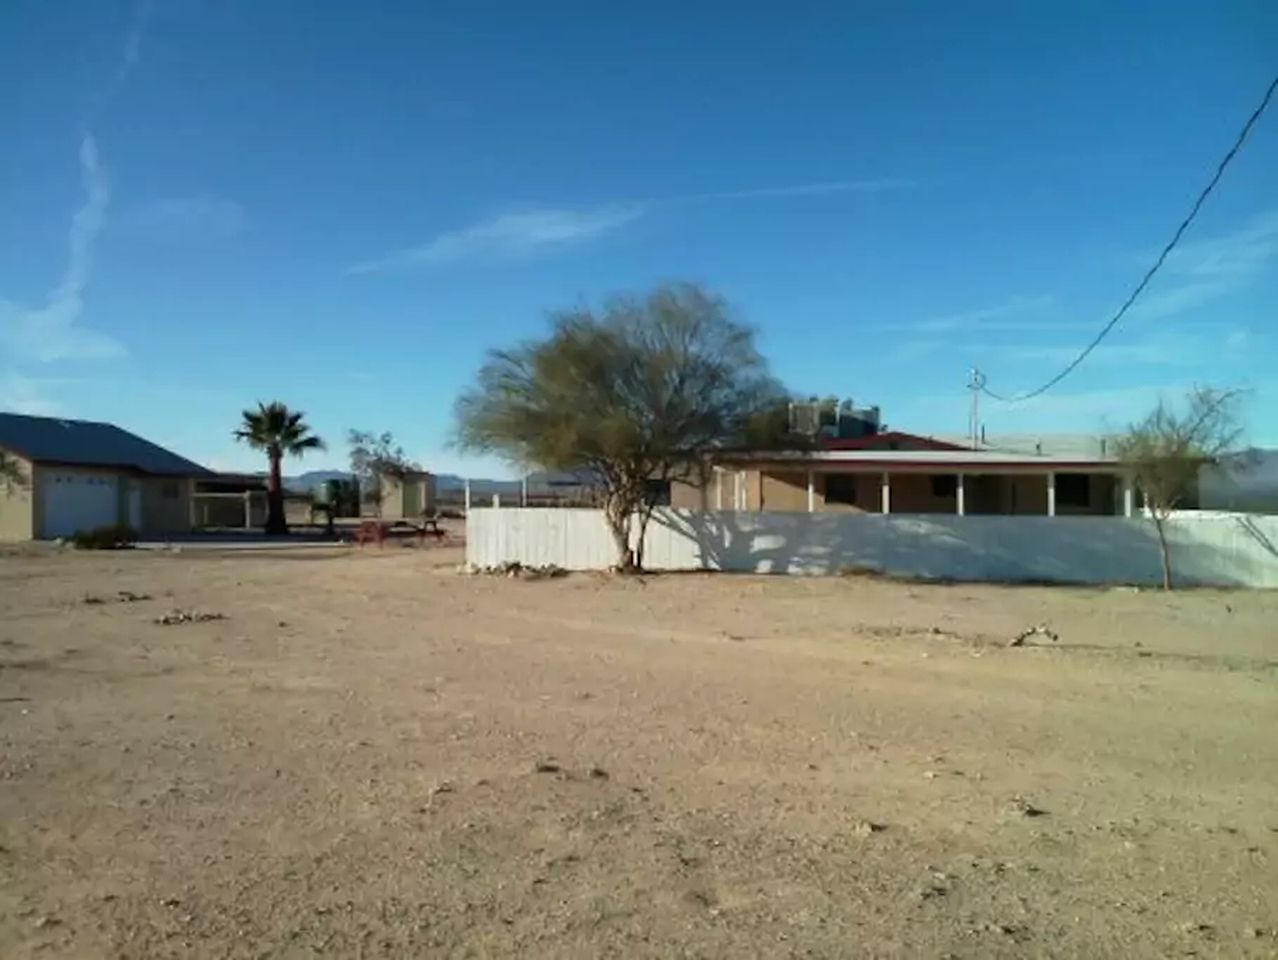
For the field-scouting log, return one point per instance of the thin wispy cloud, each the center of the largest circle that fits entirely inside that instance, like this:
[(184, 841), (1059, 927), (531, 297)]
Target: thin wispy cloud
[(196, 217), (817, 189), (1109, 410), (522, 233), (133, 39), (508, 236), (1012, 314), (130, 54), (51, 331), (1097, 411), (1173, 348), (1202, 271), (1195, 275), (1106, 408), (1018, 313)]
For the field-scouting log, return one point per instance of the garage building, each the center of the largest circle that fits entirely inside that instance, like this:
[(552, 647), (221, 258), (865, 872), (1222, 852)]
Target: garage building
[(77, 475)]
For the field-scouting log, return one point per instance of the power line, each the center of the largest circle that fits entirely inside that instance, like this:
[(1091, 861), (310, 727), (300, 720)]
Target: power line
[(1149, 274)]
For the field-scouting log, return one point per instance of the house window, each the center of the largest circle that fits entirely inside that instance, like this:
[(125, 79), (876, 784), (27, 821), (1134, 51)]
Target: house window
[(945, 485), (657, 493), (840, 488), (169, 491), (1073, 490)]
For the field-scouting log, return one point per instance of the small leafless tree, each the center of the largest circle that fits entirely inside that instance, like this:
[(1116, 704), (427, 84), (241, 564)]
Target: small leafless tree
[(1166, 450)]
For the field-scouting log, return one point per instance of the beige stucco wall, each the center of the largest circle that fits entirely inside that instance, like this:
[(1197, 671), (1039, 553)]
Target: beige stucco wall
[(390, 499), (17, 506), (1021, 496), (166, 504), (912, 493), (786, 490), (690, 495)]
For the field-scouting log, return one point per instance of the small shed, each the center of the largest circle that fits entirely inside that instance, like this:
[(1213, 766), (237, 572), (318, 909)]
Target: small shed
[(408, 497)]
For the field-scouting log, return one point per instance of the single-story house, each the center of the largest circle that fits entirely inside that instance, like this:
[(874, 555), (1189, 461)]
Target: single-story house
[(77, 475), (895, 472)]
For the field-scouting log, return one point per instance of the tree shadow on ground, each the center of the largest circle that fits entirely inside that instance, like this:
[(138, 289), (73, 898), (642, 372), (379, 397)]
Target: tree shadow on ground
[(1082, 550)]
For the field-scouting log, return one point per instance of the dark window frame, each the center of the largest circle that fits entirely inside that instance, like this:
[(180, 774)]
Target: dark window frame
[(844, 489), (657, 492), (1073, 490)]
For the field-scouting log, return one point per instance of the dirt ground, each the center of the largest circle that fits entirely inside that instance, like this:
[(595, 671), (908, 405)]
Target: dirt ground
[(372, 755)]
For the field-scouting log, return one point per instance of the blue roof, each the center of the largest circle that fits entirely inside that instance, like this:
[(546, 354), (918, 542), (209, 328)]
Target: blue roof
[(82, 442)]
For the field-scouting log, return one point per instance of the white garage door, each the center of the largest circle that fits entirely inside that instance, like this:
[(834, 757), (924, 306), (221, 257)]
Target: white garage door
[(78, 502)]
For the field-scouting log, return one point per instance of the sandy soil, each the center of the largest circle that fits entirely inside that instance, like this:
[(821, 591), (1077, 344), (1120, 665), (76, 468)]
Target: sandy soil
[(375, 756)]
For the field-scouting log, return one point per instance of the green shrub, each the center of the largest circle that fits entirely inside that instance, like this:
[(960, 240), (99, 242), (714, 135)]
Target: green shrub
[(116, 536)]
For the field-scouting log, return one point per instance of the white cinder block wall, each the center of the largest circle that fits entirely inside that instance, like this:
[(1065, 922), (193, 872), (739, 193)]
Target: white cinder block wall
[(1211, 550)]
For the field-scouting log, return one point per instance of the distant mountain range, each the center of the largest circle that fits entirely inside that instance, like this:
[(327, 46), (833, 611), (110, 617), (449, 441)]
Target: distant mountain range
[(312, 480), (447, 483), (1245, 481)]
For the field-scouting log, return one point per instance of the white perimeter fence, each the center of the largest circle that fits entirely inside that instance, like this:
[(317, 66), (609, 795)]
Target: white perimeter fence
[(1232, 550)]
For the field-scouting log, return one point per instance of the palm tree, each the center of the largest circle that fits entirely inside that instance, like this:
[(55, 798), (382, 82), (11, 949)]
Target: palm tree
[(279, 431)]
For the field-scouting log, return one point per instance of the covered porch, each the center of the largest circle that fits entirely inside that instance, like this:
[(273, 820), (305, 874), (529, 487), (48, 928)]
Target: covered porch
[(961, 483)]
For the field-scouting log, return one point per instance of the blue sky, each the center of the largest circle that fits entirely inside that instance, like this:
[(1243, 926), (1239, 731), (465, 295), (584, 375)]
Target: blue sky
[(343, 205)]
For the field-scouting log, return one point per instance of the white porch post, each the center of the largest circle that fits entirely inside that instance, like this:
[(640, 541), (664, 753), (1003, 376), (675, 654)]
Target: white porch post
[(466, 494), (736, 490), (885, 494), (811, 491), (718, 488), (1129, 496), (959, 500), (1051, 494)]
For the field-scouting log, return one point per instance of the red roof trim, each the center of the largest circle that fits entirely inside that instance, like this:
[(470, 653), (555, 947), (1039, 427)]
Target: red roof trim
[(884, 441), (944, 466)]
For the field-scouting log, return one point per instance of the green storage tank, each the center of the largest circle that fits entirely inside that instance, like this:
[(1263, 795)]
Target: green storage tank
[(342, 496)]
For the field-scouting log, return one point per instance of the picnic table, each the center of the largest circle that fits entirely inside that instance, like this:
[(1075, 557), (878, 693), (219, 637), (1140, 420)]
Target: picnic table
[(376, 531)]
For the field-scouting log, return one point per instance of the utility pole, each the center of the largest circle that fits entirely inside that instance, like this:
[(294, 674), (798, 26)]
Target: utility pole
[(975, 381)]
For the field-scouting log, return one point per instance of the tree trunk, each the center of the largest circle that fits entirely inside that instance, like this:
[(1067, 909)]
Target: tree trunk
[(617, 512), (1164, 550), (275, 520), (645, 514)]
